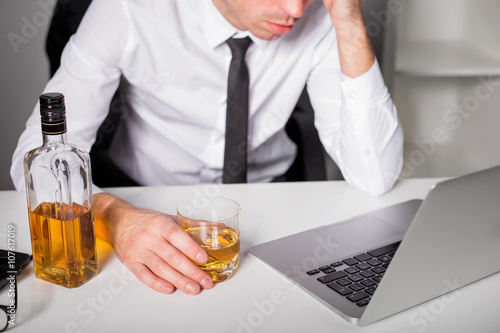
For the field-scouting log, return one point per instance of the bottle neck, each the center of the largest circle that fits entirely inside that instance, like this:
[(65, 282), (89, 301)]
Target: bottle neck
[(53, 129), (54, 139)]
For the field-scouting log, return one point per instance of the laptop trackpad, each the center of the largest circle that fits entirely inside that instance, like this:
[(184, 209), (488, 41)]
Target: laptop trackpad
[(360, 234)]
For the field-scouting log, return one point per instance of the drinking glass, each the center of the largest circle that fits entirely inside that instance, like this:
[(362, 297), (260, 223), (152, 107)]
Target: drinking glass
[(214, 223)]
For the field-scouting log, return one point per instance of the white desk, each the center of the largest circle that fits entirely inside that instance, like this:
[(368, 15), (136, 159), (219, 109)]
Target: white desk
[(256, 298)]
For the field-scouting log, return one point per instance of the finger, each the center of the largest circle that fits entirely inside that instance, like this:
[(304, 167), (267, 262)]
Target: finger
[(175, 235), (177, 260), (151, 280), (165, 271)]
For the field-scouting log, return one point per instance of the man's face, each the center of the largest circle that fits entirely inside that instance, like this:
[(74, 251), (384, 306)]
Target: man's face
[(266, 19)]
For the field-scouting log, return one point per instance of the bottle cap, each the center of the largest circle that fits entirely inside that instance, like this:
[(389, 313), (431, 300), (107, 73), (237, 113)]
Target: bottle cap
[(53, 113)]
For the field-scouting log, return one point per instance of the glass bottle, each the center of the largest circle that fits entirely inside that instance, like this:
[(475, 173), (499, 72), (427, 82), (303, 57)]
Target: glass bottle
[(60, 206)]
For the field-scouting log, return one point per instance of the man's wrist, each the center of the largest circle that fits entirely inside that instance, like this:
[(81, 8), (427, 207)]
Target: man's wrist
[(107, 211), (355, 52), (351, 27)]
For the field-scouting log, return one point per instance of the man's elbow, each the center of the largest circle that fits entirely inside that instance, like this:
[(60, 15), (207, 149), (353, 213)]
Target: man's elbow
[(385, 182), (377, 184)]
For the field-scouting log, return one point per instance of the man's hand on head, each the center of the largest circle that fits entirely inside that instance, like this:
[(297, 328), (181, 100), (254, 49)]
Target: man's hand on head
[(151, 245), (344, 13)]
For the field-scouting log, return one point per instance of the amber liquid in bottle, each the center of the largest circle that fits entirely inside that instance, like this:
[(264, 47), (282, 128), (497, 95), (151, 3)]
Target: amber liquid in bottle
[(63, 243)]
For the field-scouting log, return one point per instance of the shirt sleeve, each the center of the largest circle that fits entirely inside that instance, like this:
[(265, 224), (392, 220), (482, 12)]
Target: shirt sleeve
[(88, 77), (357, 123)]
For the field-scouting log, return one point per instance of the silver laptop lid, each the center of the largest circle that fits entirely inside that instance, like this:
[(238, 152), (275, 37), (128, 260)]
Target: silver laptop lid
[(453, 241)]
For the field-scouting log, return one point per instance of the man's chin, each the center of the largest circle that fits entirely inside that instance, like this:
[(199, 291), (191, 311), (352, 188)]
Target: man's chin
[(272, 37), (266, 35)]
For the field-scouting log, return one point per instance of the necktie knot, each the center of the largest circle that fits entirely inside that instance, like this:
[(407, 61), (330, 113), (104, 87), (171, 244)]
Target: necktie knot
[(239, 46)]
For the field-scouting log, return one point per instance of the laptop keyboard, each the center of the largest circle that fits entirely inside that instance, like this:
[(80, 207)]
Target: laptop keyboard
[(357, 277)]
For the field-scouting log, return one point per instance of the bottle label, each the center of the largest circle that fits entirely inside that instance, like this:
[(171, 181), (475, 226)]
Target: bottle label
[(54, 129)]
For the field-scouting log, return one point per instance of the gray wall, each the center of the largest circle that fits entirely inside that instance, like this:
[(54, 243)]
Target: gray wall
[(24, 70), (447, 53)]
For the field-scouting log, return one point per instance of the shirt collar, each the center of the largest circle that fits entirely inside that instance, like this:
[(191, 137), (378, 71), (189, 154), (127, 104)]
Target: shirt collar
[(217, 29)]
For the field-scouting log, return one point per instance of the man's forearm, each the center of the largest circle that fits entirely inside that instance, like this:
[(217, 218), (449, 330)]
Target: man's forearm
[(355, 51)]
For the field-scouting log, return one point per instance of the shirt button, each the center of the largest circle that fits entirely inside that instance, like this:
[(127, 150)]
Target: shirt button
[(367, 152), (352, 95)]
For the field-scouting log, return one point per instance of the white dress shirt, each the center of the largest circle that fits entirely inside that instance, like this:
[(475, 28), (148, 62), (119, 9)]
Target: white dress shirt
[(172, 57)]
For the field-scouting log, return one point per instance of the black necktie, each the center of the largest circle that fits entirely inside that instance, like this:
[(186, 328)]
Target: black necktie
[(235, 151)]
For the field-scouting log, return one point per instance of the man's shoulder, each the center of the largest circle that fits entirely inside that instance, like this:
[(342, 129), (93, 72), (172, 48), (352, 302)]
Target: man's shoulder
[(156, 5), (166, 10)]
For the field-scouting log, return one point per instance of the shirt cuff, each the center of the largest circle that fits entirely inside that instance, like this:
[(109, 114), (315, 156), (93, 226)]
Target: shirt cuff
[(366, 89)]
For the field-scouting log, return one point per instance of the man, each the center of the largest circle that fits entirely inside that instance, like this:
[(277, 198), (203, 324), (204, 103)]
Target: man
[(174, 60)]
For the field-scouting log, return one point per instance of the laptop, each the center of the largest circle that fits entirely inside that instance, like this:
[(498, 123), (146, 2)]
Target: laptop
[(378, 264)]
